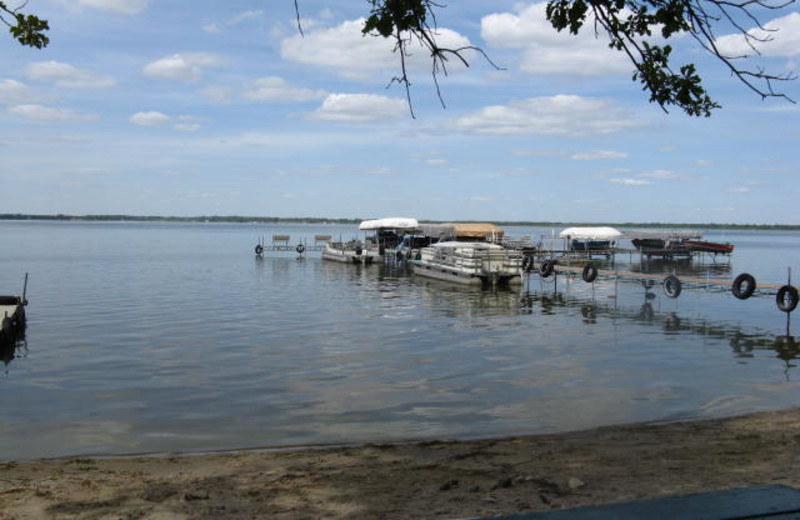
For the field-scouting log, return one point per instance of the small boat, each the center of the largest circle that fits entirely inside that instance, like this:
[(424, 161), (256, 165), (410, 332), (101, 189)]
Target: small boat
[(591, 238), (350, 252), (469, 263), (705, 246), (662, 242)]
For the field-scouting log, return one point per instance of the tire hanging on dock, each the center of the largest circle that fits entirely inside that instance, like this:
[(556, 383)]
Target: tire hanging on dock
[(300, 248), (589, 273), (527, 263), (786, 298), (743, 286), (672, 286), (546, 268), (259, 249)]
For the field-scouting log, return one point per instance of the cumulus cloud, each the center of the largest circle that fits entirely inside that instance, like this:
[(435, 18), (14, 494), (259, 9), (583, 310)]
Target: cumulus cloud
[(277, 89), (66, 76), (152, 118), (598, 154), (360, 108), (116, 6), (45, 113), (13, 92), (556, 115), (546, 51), (783, 35), (354, 55), (183, 67)]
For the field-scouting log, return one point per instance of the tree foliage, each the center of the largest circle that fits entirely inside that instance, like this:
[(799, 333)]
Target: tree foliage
[(634, 27), (27, 29)]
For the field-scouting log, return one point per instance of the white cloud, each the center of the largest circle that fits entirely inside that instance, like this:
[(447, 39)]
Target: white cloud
[(116, 6), (547, 51), (629, 182), (186, 127), (741, 189), (360, 108), (183, 67), (598, 154), (556, 115), (45, 113), (66, 76), (13, 92), (273, 88), (152, 118), (354, 55), (218, 27), (662, 174), (783, 33)]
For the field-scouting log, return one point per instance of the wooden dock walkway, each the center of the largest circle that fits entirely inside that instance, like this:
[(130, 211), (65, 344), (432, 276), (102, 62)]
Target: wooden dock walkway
[(742, 286)]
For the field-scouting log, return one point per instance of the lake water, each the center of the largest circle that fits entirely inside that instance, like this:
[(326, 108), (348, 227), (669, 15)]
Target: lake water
[(162, 337)]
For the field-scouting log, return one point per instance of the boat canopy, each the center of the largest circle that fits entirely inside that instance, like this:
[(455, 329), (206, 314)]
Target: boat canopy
[(440, 231), (466, 245), (389, 223), (476, 230), (681, 234), (591, 233)]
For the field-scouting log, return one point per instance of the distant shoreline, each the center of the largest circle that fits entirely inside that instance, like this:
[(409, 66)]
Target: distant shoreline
[(323, 220)]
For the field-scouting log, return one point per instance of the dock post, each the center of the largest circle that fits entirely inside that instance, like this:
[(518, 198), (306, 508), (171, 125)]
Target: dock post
[(25, 290)]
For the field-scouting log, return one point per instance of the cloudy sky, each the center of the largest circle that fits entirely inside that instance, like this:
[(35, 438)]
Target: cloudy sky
[(168, 107)]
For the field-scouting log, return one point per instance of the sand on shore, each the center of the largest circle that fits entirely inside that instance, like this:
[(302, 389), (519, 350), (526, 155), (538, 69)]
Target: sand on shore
[(458, 479)]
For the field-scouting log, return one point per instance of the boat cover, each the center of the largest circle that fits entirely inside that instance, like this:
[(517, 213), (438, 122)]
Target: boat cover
[(680, 234), (591, 233), (389, 223), (440, 231), (476, 230)]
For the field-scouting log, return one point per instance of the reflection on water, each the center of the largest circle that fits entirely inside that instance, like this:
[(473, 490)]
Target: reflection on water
[(683, 266)]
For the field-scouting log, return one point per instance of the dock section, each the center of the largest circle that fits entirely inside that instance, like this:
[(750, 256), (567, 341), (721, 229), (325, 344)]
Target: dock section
[(12, 316)]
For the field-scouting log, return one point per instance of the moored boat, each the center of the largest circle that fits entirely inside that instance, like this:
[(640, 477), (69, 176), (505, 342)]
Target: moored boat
[(709, 247), (469, 263), (350, 252), (591, 238)]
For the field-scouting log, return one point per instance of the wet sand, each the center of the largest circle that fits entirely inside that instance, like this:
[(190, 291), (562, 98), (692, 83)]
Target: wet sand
[(459, 479)]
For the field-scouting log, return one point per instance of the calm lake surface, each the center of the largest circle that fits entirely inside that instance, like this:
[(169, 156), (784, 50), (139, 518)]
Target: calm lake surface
[(166, 337)]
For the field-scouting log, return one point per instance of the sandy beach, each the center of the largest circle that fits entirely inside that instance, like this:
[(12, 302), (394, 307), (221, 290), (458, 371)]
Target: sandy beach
[(443, 479)]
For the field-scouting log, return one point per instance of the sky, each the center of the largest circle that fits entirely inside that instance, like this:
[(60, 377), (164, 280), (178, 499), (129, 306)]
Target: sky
[(176, 108)]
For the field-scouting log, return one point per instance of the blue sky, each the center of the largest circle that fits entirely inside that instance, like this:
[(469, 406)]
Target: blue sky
[(167, 107)]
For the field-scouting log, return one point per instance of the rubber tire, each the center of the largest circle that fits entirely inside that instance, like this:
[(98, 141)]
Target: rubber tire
[(546, 268), (527, 263), (589, 273), (259, 249), (781, 298), (736, 288), (672, 286), (300, 248)]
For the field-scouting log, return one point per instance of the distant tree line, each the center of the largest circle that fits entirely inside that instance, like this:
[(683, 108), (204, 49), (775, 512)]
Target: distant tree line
[(324, 220)]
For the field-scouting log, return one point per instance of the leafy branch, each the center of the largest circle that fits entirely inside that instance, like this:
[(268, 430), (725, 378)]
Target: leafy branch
[(28, 29), (630, 26)]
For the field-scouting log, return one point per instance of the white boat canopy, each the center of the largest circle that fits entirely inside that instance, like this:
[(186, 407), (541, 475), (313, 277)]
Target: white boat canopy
[(389, 223), (591, 233)]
